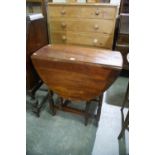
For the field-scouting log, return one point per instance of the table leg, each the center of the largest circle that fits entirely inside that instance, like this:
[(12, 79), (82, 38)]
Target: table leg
[(51, 102), (87, 112), (125, 126), (41, 105), (99, 109), (125, 98), (61, 103)]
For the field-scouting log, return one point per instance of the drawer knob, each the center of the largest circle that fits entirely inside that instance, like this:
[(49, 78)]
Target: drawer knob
[(64, 38), (63, 12), (95, 41), (97, 12), (96, 27), (63, 24)]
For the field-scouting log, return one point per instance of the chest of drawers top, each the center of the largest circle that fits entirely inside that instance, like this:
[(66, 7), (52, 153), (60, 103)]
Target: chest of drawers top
[(90, 24)]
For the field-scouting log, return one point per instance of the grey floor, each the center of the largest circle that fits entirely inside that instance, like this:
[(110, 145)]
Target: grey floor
[(66, 134)]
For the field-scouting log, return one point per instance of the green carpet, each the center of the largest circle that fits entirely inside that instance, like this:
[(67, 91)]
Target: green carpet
[(66, 134)]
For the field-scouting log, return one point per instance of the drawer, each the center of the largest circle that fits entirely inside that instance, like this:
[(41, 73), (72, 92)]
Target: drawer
[(88, 39), (82, 25), (104, 12), (58, 37)]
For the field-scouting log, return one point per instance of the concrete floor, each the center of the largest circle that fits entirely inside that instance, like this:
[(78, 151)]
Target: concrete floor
[(66, 134)]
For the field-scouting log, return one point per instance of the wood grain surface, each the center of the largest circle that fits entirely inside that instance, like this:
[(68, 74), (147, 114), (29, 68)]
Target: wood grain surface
[(82, 24), (75, 72), (37, 37)]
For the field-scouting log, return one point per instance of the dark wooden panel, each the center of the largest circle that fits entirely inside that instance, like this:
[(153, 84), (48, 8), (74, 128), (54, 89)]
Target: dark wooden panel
[(36, 38), (121, 42)]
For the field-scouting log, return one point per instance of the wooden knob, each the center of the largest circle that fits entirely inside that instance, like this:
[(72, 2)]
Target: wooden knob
[(96, 27), (64, 37), (97, 12), (63, 24), (63, 12), (95, 41)]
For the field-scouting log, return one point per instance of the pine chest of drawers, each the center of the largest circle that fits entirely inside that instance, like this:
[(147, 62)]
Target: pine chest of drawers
[(82, 24)]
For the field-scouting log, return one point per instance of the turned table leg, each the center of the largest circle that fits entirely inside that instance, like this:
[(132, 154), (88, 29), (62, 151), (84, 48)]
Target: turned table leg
[(51, 102), (87, 112)]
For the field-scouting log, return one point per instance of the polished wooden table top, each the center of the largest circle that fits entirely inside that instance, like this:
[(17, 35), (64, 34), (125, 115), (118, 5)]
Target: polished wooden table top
[(75, 72)]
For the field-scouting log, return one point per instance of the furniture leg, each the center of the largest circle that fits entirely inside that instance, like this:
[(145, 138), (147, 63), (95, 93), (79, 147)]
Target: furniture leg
[(124, 126), (51, 102), (34, 89), (41, 104), (125, 98), (99, 109), (61, 103), (87, 112), (34, 102), (32, 95), (34, 110)]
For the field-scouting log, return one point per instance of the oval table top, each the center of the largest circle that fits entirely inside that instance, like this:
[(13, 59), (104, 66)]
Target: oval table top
[(76, 72)]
